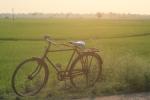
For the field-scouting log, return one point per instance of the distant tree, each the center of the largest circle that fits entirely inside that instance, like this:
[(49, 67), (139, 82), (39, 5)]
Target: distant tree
[(6, 17), (99, 15)]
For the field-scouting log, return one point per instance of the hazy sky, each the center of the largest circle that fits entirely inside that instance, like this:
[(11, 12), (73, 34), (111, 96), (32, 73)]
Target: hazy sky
[(76, 6)]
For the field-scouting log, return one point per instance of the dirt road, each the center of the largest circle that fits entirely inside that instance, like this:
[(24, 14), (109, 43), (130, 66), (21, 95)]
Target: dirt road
[(138, 96)]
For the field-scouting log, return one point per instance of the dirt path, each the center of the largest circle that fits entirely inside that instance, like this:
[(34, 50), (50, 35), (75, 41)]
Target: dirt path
[(138, 96)]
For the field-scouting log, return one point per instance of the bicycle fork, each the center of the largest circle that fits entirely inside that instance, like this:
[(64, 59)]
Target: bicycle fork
[(36, 71)]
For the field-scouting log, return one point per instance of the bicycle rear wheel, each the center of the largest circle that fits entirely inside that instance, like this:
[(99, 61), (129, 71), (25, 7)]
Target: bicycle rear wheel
[(86, 70), (29, 77)]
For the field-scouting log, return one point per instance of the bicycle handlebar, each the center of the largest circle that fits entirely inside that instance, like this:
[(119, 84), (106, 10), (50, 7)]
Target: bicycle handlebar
[(48, 39)]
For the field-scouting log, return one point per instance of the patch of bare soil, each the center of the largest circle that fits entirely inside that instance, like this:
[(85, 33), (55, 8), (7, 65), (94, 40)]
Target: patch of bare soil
[(137, 96)]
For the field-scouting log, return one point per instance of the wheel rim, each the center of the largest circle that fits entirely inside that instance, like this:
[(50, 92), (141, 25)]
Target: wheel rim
[(90, 67), (29, 78)]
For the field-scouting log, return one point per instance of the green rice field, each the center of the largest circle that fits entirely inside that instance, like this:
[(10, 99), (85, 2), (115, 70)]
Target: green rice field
[(124, 47)]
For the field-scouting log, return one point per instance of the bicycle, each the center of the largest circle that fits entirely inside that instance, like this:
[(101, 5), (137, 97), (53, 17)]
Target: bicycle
[(31, 75)]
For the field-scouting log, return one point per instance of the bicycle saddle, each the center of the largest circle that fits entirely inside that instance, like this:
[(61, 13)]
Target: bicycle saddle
[(78, 43)]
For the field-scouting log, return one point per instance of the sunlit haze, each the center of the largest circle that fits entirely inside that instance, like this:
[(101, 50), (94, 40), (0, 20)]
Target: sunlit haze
[(75, 6)]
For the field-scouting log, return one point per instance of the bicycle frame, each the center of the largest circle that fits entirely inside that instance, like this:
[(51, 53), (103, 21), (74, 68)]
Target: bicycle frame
[(74, 49), (78, 64)]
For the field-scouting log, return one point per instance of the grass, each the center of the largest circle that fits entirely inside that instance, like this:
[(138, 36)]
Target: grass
[(72, 28), (126, 59)]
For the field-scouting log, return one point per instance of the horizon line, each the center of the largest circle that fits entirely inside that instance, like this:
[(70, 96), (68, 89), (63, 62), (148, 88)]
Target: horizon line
[(36, 12)]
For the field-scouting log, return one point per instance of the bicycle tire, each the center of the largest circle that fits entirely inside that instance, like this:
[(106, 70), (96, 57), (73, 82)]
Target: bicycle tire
[(77, 60), (15, 74)]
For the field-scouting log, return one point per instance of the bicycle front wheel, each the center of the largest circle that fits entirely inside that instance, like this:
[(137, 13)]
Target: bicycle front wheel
[(86, 70), (29, 77)]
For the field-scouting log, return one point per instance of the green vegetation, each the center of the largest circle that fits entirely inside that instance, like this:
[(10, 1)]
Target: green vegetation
[(72, 28), (124, 46)]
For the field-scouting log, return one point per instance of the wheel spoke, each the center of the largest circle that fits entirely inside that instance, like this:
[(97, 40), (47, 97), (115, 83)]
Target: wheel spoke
[(90, 61), (87, 81)]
